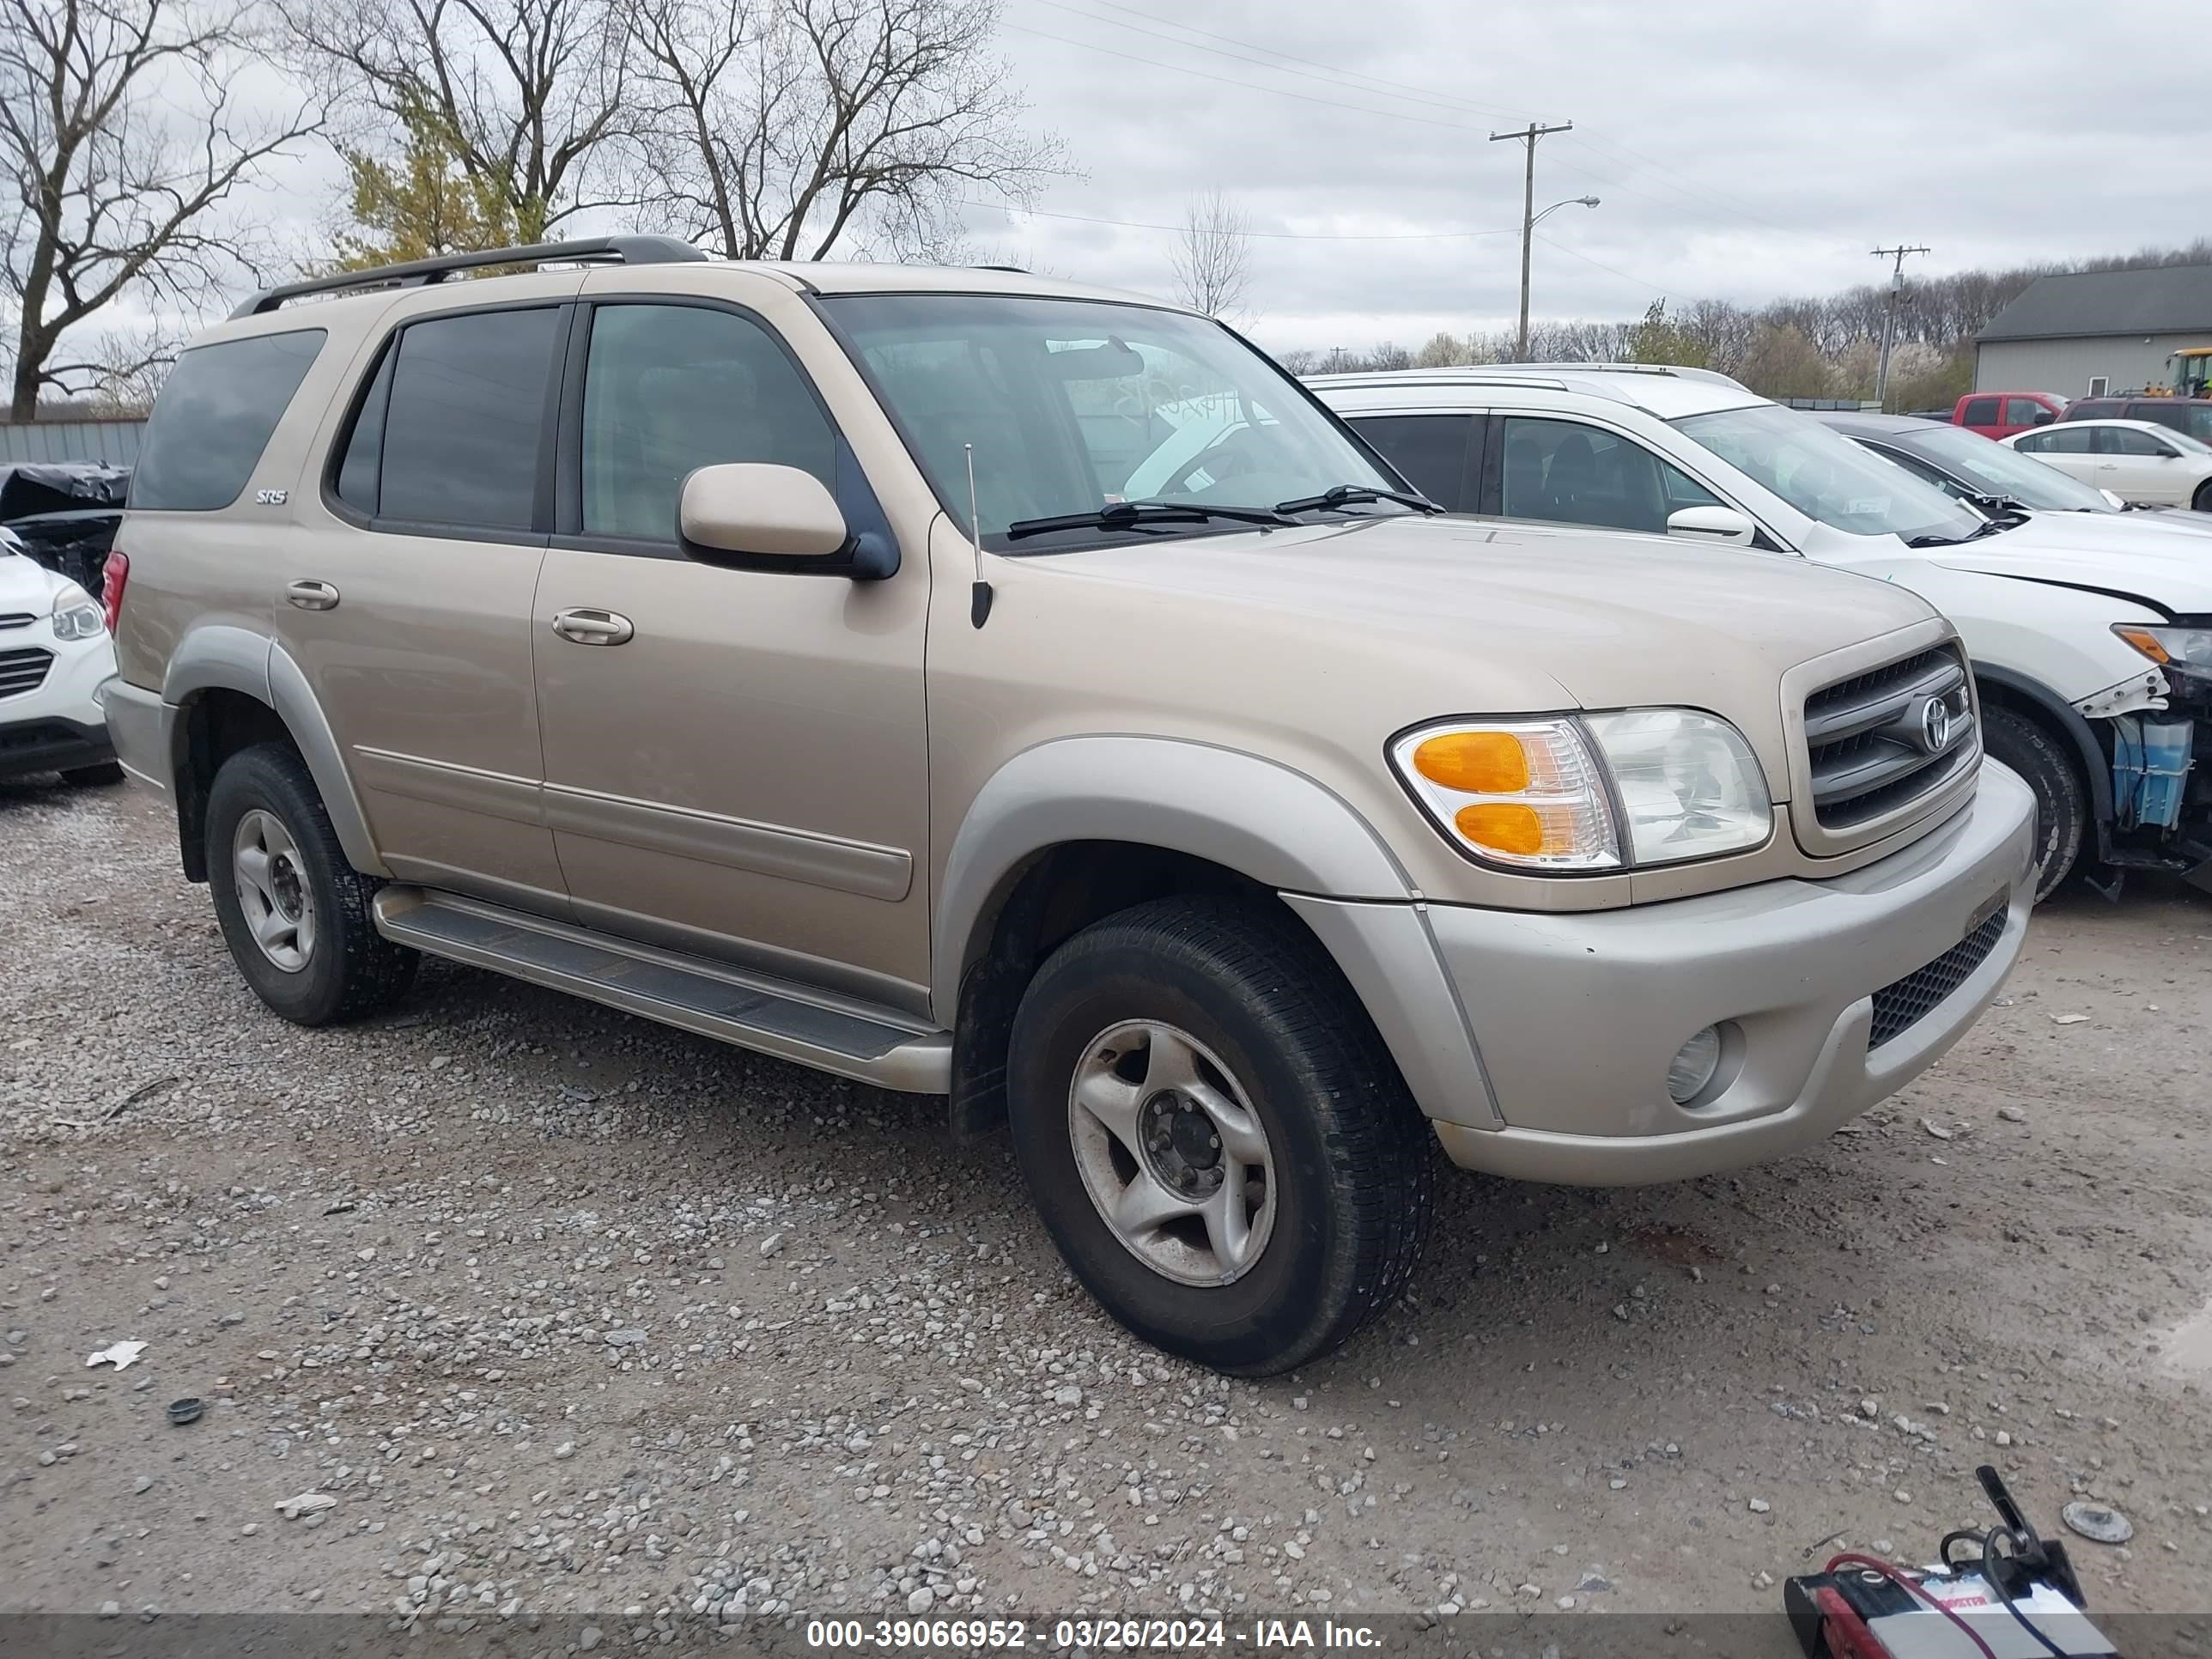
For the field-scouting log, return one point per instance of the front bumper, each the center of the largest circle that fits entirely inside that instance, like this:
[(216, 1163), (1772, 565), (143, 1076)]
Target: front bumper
[(1577, 1017), (50, 745), (58, 723)]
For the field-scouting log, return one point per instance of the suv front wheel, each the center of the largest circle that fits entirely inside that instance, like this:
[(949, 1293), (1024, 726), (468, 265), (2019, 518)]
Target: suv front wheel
[(1215, 1135), (295, 914)]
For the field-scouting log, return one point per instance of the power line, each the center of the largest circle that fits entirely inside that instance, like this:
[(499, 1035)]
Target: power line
[(1529, 136), (1620, 153), (1601, 265), (1889, 314), (1268, 235), (1325, 71), (1231, 81)]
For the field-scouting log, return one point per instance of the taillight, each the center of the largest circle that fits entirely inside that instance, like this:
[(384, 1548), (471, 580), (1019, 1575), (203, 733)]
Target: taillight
[(112, 581)]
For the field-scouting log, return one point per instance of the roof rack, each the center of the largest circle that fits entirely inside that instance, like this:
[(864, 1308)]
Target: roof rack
[(1678, 371), (415, 273)]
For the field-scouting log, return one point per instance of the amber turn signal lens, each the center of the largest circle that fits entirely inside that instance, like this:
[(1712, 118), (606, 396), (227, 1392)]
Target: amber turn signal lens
[(1502, 826), (2146, 642), (1474, 762)]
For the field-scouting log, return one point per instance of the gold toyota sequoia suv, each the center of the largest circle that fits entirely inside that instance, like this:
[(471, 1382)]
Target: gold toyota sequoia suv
[(1025, 693)]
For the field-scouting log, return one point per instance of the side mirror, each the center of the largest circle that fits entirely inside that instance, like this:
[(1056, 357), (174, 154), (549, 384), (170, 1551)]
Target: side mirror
[(2045, 417), (767, 512), (1712, 523)]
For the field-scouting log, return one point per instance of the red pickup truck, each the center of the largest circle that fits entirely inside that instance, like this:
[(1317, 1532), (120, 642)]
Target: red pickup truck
[(2001, 413)]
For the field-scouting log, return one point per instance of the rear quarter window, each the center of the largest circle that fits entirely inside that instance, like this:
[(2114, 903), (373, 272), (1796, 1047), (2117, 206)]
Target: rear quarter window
[(215, 416)]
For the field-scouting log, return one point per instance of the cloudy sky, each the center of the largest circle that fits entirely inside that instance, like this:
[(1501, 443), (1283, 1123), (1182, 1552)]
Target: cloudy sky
[(1739, 150)]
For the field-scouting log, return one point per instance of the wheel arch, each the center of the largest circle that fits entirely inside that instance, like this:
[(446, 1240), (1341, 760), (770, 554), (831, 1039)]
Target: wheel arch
[(230, 687), (2007, 688), (1073, 830)]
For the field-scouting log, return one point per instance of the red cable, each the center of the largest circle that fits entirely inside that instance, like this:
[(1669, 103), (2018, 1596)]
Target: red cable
[(1896, 1575)]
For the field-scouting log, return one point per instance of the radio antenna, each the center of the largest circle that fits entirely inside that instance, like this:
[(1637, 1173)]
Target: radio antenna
[(979, 593)]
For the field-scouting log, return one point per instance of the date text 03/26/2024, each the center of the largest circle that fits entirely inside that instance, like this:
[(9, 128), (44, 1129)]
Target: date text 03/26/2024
[(1086, 1635)]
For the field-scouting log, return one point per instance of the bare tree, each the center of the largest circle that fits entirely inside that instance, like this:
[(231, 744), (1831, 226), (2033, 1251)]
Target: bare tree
[(524, 94), (1213, 259), (123, 143), (786, 128)]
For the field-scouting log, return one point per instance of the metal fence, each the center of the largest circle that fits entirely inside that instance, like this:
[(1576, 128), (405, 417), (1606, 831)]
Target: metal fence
[(114, 443)]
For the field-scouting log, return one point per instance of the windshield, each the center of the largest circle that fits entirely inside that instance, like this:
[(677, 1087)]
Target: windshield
[(1993, 469), (1073, 406), (1824, 476), (2191, 441)]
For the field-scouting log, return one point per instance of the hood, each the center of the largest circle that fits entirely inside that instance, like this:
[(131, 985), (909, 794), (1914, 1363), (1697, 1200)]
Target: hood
[(2127, 554), (27, 585), (1521, 617)]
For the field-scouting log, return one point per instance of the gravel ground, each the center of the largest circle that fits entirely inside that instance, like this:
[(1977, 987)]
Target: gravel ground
[(572, 1315)]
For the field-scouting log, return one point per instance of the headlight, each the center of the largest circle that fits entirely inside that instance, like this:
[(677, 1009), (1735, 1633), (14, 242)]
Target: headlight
[(2178, 647), (81, 621), (1600, 792)]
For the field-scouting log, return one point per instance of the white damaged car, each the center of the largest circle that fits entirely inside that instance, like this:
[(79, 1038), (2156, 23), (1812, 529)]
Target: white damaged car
[(2091, 633), (55, 655)]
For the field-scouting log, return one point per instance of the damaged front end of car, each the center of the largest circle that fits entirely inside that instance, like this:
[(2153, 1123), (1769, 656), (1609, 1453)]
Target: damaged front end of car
[(2159, 731)]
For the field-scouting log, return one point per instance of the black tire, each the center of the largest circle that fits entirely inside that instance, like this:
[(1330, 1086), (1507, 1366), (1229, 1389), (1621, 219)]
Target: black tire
[(1353, 1156), (2202, 501), (2062, 801), (352, 970), (98, 774)]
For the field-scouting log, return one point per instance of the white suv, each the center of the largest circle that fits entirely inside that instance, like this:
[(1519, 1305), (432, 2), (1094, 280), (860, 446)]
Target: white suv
[(55, 655), (2091, 633)]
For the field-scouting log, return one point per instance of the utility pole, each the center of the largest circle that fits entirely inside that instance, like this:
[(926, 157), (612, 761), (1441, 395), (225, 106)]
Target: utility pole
[(1889, 316), (1528, 135)]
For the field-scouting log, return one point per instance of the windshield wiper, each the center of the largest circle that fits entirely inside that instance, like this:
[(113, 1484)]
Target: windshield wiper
[(1136, 515), (1987, 527), (1349, 494)]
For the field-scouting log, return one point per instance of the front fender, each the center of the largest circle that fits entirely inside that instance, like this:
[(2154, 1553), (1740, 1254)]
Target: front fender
[(1274, 825)]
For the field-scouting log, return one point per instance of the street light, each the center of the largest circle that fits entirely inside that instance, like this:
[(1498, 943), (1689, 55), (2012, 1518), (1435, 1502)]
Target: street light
[(1572, 201), (1528, 235)]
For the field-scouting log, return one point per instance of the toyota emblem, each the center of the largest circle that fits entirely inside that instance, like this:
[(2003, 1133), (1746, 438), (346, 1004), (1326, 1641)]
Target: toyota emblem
[(1935, 725)]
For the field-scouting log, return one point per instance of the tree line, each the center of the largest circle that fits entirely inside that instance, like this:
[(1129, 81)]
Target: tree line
[(138, 138), (1826, 347)]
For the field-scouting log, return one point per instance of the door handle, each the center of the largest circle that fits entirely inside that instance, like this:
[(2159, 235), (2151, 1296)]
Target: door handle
[(311, 596), (592, 626)]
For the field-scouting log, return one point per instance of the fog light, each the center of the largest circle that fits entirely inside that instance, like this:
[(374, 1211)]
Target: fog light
[(1693, 1066)]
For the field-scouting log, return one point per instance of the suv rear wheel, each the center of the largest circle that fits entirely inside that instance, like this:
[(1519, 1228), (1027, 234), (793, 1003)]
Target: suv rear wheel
[(295, 914), (1218, 1142), (2062, 804)]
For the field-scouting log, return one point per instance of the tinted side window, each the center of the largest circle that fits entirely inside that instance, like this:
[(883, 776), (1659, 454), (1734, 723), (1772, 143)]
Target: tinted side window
[(467, 413), (1429, 450), (215, 416), (360, 471), (668, 389), (1577, 474), (1980, 411), (2126, 440), (1920, 468), (2060, 440), (2093, 409)]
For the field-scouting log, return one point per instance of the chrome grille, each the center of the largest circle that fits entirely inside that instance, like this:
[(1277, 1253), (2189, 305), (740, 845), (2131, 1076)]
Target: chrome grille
[(1900, 1004), (16, 619), (23, 670), (1876, 742)]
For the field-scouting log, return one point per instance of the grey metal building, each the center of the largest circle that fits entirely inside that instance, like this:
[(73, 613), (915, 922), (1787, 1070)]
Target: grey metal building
[(2092, 332), (113, 443)]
